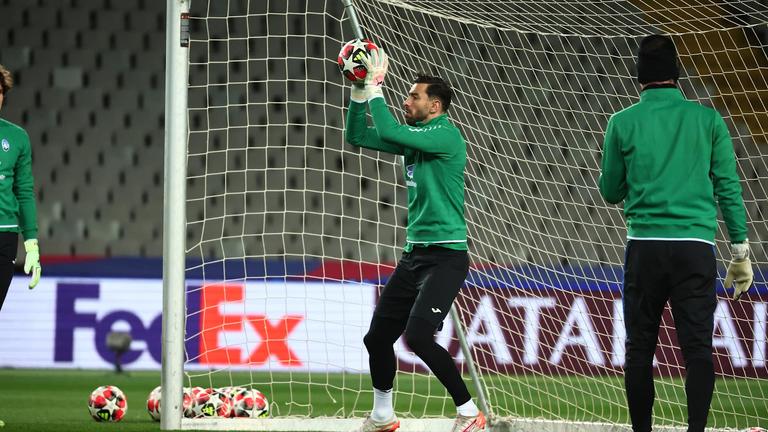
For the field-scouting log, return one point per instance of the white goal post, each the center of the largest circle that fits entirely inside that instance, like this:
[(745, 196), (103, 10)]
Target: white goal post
[(174, 214), (278, 235)]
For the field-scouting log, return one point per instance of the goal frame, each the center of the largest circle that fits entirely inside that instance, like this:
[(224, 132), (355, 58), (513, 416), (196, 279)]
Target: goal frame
[(174, 212), (174, 251)]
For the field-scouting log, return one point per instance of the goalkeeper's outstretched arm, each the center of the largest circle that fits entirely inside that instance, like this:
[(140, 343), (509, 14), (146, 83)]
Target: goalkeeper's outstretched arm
[(360, 135), (437, 140)]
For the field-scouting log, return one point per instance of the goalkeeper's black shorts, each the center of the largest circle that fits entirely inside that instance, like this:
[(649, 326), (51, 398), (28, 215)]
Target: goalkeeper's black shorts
[(424, 285)]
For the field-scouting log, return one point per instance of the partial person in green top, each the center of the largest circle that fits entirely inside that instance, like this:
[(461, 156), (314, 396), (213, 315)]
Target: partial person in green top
[(672, 163), (17, 198), (435, 261)]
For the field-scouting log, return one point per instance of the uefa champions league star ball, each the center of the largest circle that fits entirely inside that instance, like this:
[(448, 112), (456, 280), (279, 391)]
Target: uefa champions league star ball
[(107, 404), (211, 403), (153, 404), (351, 59), (250, 403)]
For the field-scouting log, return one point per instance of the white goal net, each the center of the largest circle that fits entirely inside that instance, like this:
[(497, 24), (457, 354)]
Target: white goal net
[(290, 231)]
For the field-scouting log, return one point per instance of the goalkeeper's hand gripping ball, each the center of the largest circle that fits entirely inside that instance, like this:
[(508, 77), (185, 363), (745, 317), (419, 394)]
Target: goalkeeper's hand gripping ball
[(351, 59)]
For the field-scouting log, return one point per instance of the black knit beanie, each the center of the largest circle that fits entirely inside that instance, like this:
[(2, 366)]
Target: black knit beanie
[(657, 60)]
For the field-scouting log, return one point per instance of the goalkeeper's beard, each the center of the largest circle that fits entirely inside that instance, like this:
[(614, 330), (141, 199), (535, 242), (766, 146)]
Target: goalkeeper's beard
[(411, 118)]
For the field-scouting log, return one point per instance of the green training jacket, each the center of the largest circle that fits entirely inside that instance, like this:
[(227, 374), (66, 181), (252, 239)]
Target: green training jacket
[(671, 160), (18, 211), (435, 156)]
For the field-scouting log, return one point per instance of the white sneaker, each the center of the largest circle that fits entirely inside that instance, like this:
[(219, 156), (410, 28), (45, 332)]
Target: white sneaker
[(371, 425), (469, 423)]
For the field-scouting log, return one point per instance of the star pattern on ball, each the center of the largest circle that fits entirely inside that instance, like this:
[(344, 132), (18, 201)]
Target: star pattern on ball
[(111, 405), (349, 64), (359, 44)]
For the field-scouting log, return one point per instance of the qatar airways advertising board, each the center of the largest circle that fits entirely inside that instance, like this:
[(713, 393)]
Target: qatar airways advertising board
[(279, 325)]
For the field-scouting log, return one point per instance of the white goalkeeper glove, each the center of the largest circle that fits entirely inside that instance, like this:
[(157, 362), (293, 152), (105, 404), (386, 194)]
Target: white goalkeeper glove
[(359, 92), (739, 270), (376, 64), (32, 261)]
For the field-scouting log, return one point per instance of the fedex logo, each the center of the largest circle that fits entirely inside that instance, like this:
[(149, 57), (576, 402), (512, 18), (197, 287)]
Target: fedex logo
[(218, 336), (272, 339), (70, 296)]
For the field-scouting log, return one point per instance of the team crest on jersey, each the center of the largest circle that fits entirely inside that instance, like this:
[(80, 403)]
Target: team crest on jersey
[(409, 175), (6, 145)]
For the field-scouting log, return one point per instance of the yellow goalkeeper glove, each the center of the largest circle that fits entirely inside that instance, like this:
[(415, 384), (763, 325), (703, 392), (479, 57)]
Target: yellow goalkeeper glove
[(32, 261), (739, 270)]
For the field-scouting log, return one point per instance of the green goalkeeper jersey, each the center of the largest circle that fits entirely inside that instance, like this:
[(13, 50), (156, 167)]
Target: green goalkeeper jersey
[(18, 212), (434, 155), (671, 160)]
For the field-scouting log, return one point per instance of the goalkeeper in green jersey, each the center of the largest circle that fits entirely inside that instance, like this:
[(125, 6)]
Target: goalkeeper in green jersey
[(17, 198), (435, 262), (672, 163)]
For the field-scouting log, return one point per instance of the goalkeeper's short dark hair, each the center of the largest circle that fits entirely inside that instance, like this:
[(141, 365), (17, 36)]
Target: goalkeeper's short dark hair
[(437, 88), (6, 80)]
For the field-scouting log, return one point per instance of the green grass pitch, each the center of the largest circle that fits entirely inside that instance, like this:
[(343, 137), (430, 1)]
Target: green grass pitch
[(55, 400)]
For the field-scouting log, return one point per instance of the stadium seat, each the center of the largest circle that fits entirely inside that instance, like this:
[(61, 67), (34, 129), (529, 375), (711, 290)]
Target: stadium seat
[(88, 98), (61, 39), (75, 18), (42, 17), (115, 117), (142, 22), (68, 78), (55, 98), (132, 41), (94, 39), (13, 15), (26, 37), (118, 58), (83, 58), (125, 247), (103, 78), (110, 20), (16, 58)]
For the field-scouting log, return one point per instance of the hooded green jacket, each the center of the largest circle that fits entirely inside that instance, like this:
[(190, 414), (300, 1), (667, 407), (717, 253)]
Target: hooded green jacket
[(672, 161)]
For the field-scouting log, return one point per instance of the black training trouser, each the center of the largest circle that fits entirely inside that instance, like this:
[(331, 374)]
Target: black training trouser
[(9, 242), (416, 300), (683, 273)]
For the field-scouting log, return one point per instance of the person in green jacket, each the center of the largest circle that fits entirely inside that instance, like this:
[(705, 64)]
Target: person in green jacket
[(419, 294), (17, 198), (672, 163)]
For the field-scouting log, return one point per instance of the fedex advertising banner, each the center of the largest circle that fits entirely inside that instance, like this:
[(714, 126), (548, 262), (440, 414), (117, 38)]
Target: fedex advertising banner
[(259, 325), (319, 326)]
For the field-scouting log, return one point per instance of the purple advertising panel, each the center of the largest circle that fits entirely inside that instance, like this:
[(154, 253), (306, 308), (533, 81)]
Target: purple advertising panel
[(565, 332)]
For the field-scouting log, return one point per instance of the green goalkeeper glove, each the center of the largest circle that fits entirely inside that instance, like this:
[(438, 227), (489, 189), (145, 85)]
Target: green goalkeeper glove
[(739, 270), (32, 261)]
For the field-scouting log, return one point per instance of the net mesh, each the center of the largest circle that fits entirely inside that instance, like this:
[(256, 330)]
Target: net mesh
[(290, 231)]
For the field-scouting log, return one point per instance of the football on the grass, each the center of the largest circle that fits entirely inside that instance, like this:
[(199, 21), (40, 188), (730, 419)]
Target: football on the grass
[(351, 58), (249, 403), (107, 404), (153, 404), (210, 403)]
